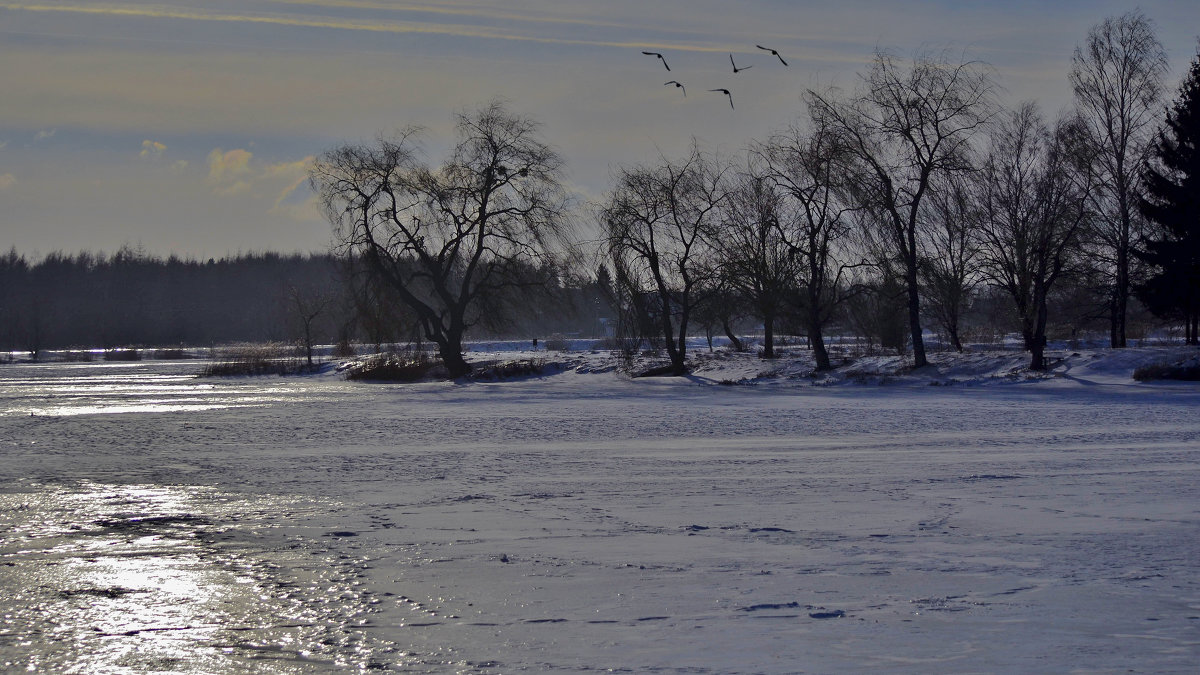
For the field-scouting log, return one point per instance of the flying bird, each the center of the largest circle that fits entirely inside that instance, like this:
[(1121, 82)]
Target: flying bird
[(773, 52), (726, 92), (660, 58), (735, 68), (677, 84)]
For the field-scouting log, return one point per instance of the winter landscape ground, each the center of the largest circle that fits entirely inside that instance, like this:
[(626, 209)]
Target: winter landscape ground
[(969, 518)]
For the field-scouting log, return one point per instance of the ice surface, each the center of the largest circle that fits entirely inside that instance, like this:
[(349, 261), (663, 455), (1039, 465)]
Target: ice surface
[(584, 521)]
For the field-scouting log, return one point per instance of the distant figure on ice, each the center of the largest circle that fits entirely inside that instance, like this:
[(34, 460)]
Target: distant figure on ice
[(535, 344)]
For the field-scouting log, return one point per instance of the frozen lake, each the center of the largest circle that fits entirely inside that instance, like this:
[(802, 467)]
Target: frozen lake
[(154, 522)]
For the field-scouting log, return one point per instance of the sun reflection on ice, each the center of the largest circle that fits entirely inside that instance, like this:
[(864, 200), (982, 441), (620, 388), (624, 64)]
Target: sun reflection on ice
[(113, 579), (64, 390)]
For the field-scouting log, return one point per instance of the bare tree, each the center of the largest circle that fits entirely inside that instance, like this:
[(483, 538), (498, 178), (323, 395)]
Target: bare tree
[(810, 169), (1117, 77), (756, 262), (950, 257), (1035, 204), (448, 239), (305, 305), (721, 307), (657, 223), (376, 309), (907, 124)]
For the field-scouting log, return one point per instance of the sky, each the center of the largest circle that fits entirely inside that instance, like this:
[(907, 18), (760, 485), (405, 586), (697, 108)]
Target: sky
[(186, 127)]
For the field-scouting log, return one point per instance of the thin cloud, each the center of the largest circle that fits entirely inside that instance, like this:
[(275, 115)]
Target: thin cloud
[(228, 165), (374, 26), (289, 169), (295, 172), (450, 10), (43, 135), (236, 172), (152, 149), (7, 180), (229, 171)]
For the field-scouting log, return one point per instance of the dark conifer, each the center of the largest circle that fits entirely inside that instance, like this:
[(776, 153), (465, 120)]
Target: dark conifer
[(1171, 200)]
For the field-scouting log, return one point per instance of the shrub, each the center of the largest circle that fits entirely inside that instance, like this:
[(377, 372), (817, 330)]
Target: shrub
[(127, 354), (343, 349), (75, 355), (406, 366), (1168, 371), (506, 369), (171, 354)]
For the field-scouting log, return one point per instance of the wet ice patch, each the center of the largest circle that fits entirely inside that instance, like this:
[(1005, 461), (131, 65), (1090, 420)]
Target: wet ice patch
[(145, 578)]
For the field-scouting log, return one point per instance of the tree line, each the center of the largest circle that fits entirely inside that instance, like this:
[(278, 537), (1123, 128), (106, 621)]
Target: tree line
[(129, 298), (905, 201), (90, 300)]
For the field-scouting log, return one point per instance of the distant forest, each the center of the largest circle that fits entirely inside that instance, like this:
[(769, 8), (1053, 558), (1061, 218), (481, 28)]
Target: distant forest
[(132, 299)]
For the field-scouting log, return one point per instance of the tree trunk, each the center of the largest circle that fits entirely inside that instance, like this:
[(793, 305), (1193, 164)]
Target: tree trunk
[(308, 343), (914, 317), (955, 341), (1038, 348), (768, 336), (1038, 359), (674, 351), (1120, 300), (817, 341), (679, 358), (733, 338), (452, 358), (1027, 333)]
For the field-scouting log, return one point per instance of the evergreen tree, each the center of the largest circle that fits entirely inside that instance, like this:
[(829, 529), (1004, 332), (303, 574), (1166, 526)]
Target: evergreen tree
[(1171, 199)]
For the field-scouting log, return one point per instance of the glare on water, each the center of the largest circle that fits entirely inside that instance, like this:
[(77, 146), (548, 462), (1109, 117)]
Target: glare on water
[(62, 390)]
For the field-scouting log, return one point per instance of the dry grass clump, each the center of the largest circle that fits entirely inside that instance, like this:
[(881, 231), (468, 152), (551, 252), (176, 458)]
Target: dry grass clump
[(272, 358), (344, 349), (406, 366), (503, 370)]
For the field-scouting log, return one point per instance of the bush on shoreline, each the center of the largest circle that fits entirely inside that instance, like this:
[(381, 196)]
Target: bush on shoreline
[(1168, 371), (122, 354), (507, 369), (406, 366), (173, 354)]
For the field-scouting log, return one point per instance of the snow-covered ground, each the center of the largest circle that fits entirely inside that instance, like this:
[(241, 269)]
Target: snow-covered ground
[(582, 520)]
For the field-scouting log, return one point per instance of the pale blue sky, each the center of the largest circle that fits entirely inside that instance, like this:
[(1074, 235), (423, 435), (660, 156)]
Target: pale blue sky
[(185, 126)]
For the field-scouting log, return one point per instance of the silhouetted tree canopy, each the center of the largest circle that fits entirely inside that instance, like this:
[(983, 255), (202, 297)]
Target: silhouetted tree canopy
[(455, 239), (1171, 200), (1117, 79)]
